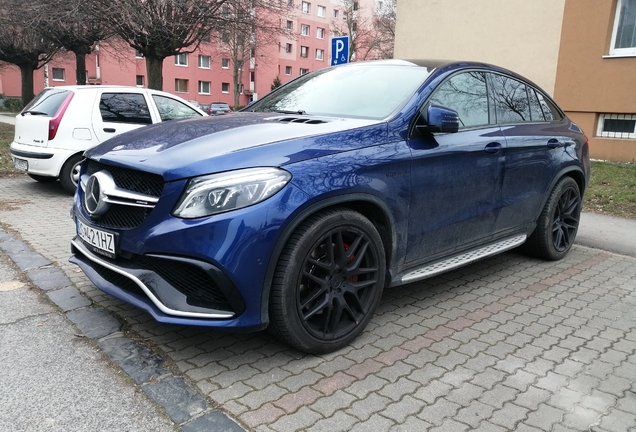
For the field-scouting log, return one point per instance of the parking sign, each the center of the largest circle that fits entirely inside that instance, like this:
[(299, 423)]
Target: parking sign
[(339, 50)]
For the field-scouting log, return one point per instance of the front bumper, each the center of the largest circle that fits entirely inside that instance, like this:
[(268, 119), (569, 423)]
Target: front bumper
[(201, 272), (165, 285)]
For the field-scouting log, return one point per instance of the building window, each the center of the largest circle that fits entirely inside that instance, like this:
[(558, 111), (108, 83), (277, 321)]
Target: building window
[(58, 74), (335, 13), (288, 70), (320, 33), (140, 80), (354, 26), (304, 51), (290, 25), (181, 59), (306, 7), (225, 63), (624, 33), (204, 62), (207, 39), (204, 87), (321, 12), (304, 30), (617, 126), (319, 54), (181, 85), (355, 6), (290, 3), (288, 47), (225, 87), (344, 16), (303, 71), (139, 54)]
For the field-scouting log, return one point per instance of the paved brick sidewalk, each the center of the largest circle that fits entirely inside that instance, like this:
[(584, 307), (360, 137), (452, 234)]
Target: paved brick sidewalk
[(510, 343)]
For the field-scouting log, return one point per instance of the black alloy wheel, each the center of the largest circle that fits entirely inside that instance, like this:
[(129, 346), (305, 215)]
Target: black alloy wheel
[(565, 221), (328, 282), (558, 223)]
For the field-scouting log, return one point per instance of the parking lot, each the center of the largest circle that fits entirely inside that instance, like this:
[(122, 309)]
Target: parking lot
[(509, 343)]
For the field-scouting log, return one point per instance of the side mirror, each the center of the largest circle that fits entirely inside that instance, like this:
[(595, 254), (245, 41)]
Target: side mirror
[(439, 119)]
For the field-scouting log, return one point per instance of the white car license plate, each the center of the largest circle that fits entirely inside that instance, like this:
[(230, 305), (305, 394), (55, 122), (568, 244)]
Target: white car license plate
[(101, 240), (21, 164)]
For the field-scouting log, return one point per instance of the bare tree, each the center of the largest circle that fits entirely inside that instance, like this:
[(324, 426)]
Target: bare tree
[(384, 29), (371, 33), (21, 42), (76, 26), (161, 28), (359, 27), (247, 27)]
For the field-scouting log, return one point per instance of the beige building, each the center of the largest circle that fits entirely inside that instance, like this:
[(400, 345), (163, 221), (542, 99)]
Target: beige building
[(582, 52)]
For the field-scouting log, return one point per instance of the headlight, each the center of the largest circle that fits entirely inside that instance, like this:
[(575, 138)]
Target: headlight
[(218, 193)]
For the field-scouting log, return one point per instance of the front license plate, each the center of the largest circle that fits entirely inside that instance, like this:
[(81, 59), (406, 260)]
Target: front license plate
[(21, 164), (103, 242)]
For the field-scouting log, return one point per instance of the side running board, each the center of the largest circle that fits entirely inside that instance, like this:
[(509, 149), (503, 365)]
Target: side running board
[(444, 265)]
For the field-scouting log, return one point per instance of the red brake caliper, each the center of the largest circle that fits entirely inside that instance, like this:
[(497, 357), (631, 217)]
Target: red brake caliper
[(352, 278)]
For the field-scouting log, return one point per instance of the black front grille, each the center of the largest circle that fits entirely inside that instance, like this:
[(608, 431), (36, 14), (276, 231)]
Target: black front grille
[(119, 280), (122, 216), (190, 280), (129, 179)]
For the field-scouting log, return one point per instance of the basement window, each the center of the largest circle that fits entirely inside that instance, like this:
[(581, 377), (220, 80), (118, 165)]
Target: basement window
[(617, 126)]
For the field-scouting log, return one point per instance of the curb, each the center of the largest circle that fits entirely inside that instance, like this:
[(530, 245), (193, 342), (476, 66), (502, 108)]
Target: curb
[(183, 404)]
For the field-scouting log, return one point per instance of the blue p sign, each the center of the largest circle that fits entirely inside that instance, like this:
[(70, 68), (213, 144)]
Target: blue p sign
[(339, 50)]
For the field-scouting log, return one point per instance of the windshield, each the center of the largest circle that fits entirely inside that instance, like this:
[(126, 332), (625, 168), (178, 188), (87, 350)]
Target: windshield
[(371, 91)]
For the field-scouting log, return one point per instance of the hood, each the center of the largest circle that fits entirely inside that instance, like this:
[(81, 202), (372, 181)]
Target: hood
[(205, 145)]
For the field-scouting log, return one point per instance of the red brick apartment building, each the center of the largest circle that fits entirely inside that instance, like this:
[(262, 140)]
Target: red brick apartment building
[(205, 75), (583, 52)]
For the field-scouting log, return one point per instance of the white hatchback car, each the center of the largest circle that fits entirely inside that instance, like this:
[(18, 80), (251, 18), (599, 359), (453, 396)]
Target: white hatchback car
[(54, 129)]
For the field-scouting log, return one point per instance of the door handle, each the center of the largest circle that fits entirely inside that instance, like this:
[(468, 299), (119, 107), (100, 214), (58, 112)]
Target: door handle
[(492, 147), (554, 143), (109, 130)]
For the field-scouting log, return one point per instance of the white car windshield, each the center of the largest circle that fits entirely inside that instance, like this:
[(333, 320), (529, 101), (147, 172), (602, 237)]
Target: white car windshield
[(371, 91)]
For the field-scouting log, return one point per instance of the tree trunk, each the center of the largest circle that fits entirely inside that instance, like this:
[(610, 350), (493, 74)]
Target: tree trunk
[(26, 71), (154, 68), (80, 68), (236, 77)]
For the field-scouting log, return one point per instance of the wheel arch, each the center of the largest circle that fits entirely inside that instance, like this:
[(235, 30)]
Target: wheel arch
[(572, 171), (367, 205)]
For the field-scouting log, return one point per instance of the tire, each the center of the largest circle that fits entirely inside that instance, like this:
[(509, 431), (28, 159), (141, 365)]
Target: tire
[(43, 179), (558, 223), (328, 282), (69, 174)]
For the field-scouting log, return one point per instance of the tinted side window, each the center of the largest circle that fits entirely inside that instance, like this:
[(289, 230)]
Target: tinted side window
[(511, 100), (48, 101), (467, 94), (170, 109), (536, 113), (124, 108), (549, 110)]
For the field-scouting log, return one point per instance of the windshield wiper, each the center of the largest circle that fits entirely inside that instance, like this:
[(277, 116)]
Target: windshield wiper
[(34, 113), (301, 112)]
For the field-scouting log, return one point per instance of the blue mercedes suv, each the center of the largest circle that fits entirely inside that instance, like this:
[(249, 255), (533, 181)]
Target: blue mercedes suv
[(296, 213)]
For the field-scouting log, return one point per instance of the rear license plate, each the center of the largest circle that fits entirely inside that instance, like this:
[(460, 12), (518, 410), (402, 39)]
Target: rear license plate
[(102, 242), (21, 164)]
